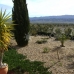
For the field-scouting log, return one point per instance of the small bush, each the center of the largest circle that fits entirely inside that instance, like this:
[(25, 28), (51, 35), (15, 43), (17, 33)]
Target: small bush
[(46, 50), (41, 41), (57, 33), (33, 30), (45, 38), (13, 58), (68, 31), (62, 39)]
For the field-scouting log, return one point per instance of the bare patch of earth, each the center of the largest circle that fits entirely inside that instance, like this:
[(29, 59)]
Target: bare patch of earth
[(34, 52)]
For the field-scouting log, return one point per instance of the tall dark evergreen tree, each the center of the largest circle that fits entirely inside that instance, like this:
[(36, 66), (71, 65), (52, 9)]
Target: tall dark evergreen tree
[(21, 18)]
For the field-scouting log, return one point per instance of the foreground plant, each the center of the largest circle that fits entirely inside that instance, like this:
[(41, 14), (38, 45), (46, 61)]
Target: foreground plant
[(5, 34)]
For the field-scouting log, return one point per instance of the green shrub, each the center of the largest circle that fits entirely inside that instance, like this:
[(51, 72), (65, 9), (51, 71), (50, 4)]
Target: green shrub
[(33, 30), (68, 31), (62, 39), (41, 41), (19, 64), (72, 36), (58, 32), (46, 50), (13, 58), (50, 30)]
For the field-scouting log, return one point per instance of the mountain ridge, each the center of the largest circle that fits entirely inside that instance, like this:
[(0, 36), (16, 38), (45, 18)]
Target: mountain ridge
[(44, 19), (53, 19)]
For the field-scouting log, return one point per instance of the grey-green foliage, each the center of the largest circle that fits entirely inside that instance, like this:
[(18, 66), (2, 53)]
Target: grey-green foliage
[(45, 28), (57, 33), (46, 50), (39, 28), (41, 41), (50, 29), (62, 39), (58, 30), (42, 28), (68, 31), (72, 35), (33, 29)]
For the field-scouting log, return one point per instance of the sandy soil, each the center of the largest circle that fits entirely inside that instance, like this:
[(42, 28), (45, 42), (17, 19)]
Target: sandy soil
[(66, 54)]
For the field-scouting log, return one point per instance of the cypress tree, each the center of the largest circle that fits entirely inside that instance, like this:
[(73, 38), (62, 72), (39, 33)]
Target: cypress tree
[(21, 18)]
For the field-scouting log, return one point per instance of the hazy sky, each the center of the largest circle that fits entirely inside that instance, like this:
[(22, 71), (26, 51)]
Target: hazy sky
[(47, 7)]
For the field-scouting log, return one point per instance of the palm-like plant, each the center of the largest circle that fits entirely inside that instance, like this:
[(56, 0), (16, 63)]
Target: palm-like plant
[(5, 33), (62, 39)]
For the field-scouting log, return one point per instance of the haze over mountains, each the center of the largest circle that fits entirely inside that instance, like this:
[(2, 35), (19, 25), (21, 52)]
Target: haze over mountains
[(44, 19), (53, 19)]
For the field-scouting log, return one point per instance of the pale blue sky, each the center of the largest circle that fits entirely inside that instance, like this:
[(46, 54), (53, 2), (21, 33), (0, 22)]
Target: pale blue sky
[(47, 7)]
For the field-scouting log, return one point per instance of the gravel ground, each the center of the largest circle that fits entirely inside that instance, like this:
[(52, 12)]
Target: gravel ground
[(34, 52)]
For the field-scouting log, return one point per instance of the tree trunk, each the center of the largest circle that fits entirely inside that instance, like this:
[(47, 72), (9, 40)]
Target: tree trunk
[(1, 59), (62, 43), (58, 55)]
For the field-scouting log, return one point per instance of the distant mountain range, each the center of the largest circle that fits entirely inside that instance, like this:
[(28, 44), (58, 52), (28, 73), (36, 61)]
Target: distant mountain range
[(53, 19), (45, 19)]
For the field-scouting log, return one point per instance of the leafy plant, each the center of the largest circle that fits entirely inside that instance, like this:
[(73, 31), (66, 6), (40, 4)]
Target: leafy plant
[(62, 39), (33, 30), (46, 50), (40, 28), (13, 58), (72, 36), (41, 41), (5, 33), (68, 31), (58, 32), (45, 28), (50, 30)]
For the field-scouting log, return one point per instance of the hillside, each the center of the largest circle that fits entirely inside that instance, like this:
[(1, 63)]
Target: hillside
[(53, 19)]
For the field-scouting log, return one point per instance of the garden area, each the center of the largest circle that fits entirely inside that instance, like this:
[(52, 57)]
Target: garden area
[(45, 50), (11, 62), (33, 48), (48, 53)]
